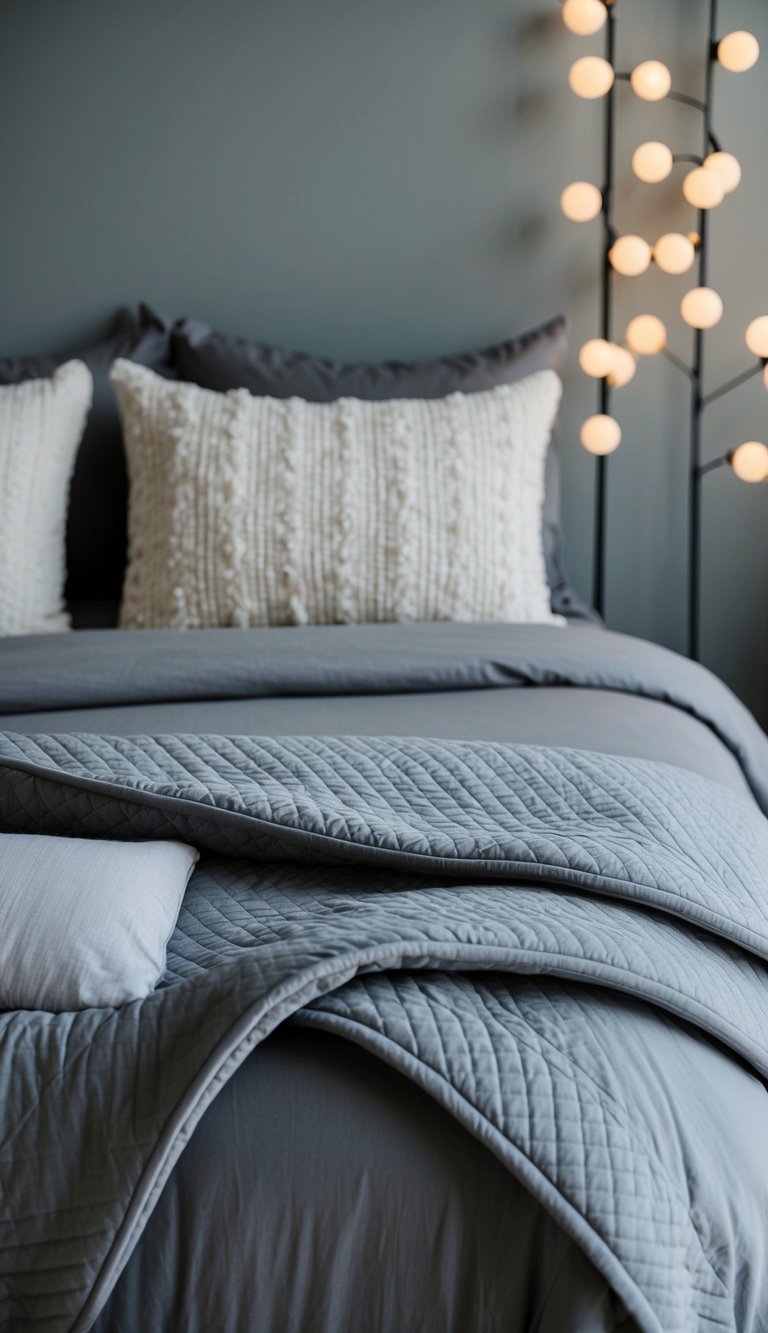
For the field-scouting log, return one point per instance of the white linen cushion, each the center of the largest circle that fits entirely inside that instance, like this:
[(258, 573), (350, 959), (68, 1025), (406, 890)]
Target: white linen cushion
[(84, 922), (41, 424), (257, 511)]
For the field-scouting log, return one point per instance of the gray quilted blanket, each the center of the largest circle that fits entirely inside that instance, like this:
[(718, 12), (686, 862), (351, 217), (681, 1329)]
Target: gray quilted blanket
[(567, 950)]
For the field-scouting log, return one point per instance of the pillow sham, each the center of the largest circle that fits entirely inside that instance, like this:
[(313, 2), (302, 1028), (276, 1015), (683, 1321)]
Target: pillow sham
[(85, 923), (41, 424), (220, 361), (98, 498), (260, 511)]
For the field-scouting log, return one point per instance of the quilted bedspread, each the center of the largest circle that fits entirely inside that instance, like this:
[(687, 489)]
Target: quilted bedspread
[(567, 950)]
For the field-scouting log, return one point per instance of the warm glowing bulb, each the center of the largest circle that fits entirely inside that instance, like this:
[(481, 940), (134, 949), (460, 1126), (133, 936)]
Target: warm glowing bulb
[(591, 77), (596, 357), (702, 308), (630, 255), (652, 162), (622, 369), (727, 167), (581, 202), (674, 253), (584, 17), (703, 188), (757, 337), (738, 51), (646, 335), (750, 461), (651, 80), (600, 434)]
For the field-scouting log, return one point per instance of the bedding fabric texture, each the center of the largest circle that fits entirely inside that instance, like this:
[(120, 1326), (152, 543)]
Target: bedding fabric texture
[(84, 923), (220, 361), (564, 950), (98, 497), (41, 424), (259, 511)]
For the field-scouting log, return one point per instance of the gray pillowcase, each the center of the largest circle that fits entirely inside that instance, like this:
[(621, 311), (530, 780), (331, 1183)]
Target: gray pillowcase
[(86, 923), (98, 498), (222, 362)]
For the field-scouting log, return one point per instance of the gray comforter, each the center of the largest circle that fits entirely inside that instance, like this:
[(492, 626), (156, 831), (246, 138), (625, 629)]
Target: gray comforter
[(389, 890)]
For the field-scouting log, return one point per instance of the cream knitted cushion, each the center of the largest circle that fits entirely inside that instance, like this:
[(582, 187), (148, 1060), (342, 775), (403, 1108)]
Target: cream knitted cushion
[(255, 511), (41, 422)]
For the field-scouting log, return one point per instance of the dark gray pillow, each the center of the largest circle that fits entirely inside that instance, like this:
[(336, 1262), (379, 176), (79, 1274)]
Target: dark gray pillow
[(96, 524), (217, 361)]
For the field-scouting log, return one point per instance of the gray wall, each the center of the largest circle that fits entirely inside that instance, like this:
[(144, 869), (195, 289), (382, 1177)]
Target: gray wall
[(378, 178)]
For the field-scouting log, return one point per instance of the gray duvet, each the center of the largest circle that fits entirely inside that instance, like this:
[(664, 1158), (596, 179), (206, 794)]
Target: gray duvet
[(564, 950)]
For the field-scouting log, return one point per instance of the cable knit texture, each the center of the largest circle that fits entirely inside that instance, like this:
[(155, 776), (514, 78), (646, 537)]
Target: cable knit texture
[(257, 511), (41, 424)]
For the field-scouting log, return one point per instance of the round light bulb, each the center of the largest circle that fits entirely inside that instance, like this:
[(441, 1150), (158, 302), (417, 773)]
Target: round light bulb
[(702, 308), (646, 335), (596, 357), (584, 17), (581, 202), (591, 77), (630, 255), (651, 80), (738, 51), (674, 253), (750, 461), (727, 167), (622, 369), (652, 162), (600, 434), (703, 188), (757, 337)]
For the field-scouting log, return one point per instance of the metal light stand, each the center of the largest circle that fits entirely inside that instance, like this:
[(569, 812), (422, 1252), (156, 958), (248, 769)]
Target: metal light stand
[(694, 372), (606, 314)]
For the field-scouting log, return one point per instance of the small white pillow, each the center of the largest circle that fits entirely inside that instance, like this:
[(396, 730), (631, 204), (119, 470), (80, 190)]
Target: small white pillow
[(86, 923), (41, 423), (257, 511)]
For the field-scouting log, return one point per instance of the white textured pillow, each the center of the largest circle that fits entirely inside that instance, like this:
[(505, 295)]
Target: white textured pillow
[(257, 511), (41, 422), (86, 923)]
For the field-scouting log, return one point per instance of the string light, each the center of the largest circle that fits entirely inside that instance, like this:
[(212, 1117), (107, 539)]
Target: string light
[(757, 337), (651, 80), (630, 255), (674, 253), (622, 369), (584, 17), (646, 335), (596, 357), (750, 461), (652, 162), (702, 308), (727, 167), (600, 434), (703, 188), (738, 52), (581, 202), (591, 77)]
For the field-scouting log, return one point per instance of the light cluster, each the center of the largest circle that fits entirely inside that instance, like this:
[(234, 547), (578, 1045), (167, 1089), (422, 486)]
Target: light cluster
[(705, 185)]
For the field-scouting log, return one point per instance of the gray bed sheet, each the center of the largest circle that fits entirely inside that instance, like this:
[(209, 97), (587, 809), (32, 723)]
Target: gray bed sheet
[(550, 715), (340, 1197), (464, 1247)]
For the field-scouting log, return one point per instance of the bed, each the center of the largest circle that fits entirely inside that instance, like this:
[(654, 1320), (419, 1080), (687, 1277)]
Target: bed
[(462, 1022), (385, 1158)]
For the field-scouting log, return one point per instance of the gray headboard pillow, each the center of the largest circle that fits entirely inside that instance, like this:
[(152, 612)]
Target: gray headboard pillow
[(96, 526), (219, 361)]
